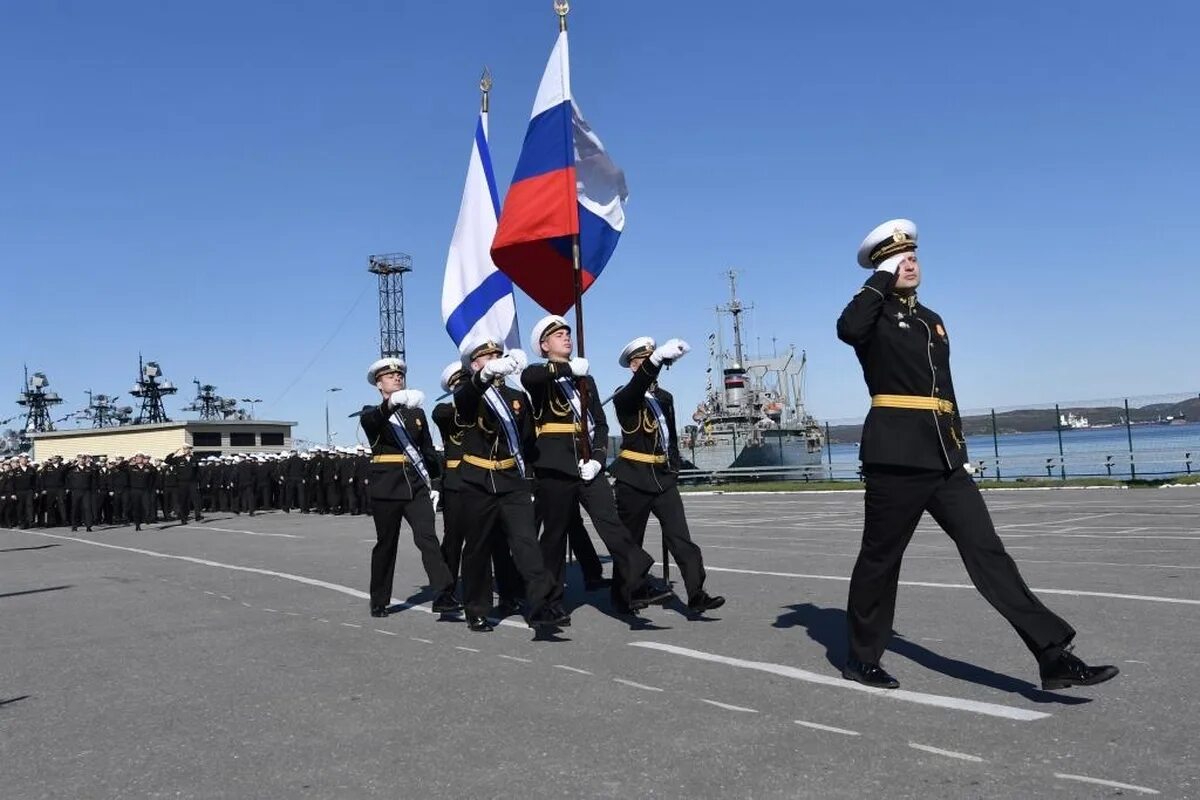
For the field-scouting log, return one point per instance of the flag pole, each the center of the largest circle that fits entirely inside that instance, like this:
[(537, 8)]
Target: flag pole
[(562, 8), (485, 86)]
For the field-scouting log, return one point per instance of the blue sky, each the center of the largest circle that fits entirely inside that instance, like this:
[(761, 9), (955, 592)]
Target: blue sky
[(204, 183)]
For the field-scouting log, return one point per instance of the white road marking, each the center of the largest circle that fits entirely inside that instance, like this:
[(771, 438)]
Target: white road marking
[(226, 597), (247, 605), (950, 753), (319, 619), (932, 585), (273, 611), (385, 633), (572, 669), (419, 639), (1101, 782), (818, 726), (248, 533), (727, 706), (468, 649), (1100, 536), (350, 624), (636, 685), (206, 591), (921, 698), (515, 658)]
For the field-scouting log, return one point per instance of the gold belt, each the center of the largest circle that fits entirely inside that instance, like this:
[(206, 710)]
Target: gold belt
[(645, 458), (912, 401), (452, 463), (485, 463), (558, 427), (390, 458)]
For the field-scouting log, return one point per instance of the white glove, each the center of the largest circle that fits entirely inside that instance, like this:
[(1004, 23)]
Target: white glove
[(670, 350), (891, 265), (518, 356), (409, 398), (434, 494), (579, 367), (498, 367), (589, 469)]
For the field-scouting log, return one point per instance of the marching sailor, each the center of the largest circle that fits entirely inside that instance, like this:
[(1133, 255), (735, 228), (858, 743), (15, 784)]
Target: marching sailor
[(570, 468), (495, 494), (403, 466), (648, 462), (913, 456)]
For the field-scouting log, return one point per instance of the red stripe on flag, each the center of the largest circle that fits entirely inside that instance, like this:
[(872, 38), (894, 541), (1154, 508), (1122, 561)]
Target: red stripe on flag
[(543, 207)]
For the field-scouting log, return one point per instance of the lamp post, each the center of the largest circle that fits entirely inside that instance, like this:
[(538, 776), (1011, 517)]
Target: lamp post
[(328, 437), (252, 403)]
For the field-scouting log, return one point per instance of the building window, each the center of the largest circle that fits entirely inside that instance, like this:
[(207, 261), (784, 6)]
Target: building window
[(206, 438), (241, 440), (274, 439)]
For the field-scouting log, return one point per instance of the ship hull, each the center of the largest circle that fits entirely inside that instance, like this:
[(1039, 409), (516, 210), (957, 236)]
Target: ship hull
[(726, 450)]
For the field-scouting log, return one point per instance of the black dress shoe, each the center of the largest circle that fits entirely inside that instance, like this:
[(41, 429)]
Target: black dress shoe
[(479, 624), (1070, 670), (651, 591), (507, 607), (596, 584), (869, 675), (446, 603), (379, 611), (705, 602), (548, 616)]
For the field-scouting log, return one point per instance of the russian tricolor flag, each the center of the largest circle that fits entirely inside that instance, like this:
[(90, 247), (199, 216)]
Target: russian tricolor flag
[(565, 184)]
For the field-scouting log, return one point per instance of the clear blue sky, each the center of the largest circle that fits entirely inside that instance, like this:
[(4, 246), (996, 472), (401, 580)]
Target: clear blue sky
[(204, 183)]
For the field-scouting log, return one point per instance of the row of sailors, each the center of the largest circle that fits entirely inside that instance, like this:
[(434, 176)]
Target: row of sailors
[(519, 466), (140, 490)]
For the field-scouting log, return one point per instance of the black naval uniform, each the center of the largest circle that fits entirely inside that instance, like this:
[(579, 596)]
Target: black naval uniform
[(913, 455), (54, 482), (452, 442), (141, 494), (399, 493), (497, 500), (81, 481), (293, 484), (646, 473), (24, 483), (560, 489), (187, 491)]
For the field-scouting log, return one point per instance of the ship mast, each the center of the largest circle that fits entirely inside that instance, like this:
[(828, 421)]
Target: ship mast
[(735, 308)]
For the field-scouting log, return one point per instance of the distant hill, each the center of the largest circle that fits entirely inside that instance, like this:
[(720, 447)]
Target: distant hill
[(1042, 419)]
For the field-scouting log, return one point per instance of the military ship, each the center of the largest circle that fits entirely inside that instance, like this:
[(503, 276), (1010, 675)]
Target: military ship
[(753, 411)]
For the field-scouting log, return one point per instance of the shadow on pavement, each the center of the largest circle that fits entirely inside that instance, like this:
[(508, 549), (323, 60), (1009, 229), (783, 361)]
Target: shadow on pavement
[(827, 627)]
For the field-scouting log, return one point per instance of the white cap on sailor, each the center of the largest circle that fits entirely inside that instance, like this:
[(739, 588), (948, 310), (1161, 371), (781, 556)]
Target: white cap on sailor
[(641, 346), (544, 327), (452, 374), (889, 239), (384, 366)]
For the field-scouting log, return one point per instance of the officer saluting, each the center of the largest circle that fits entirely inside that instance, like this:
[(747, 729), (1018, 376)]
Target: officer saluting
[(402, 465), (913, 454), (647, 465), (567, 476)]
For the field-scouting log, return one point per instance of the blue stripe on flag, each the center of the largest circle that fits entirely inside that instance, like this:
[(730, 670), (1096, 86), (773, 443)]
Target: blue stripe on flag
[(485, 156), (476, 304), (548, 144), (597, 240)]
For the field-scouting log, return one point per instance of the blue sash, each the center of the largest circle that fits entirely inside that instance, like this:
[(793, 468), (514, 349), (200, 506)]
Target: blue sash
[(502, 412), (410, 449), (567, 386), (664, 431)]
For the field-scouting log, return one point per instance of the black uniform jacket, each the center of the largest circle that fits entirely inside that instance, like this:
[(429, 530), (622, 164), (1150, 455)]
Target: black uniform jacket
[(903, 351), (560, 451), (640, 432), (141, 476), (186, 468), (397, 481), (452, 443), (485, 437)]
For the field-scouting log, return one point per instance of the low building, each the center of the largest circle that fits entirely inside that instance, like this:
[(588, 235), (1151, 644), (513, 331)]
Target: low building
[(159, 439)]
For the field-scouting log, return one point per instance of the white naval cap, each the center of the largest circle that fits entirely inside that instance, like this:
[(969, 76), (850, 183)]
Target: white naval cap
[(384, 366), (886, 240), (544, 327), (642, 346), (451, 375)]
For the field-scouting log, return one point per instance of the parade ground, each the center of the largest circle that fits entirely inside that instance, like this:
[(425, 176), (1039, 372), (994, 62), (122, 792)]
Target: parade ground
[(235, 658)]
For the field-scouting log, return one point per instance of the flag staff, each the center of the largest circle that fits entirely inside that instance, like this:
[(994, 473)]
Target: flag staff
[(485, 86), (562, 8)]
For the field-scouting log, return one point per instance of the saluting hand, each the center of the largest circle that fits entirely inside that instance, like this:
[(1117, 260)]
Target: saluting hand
[(579, 366), (669, 351)]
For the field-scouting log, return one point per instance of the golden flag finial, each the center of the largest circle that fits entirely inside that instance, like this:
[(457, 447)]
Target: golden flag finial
[(562, 8)]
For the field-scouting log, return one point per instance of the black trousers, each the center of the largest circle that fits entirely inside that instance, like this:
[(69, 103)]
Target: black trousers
[(635, 507), (418, 512), (293, 494), (452, 530), (247, 498), (140, 504), (57, 499), (81, 508), (896, 497), (501, 521), (187, 498), (558, 497), (24, 506), (583, 549)]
